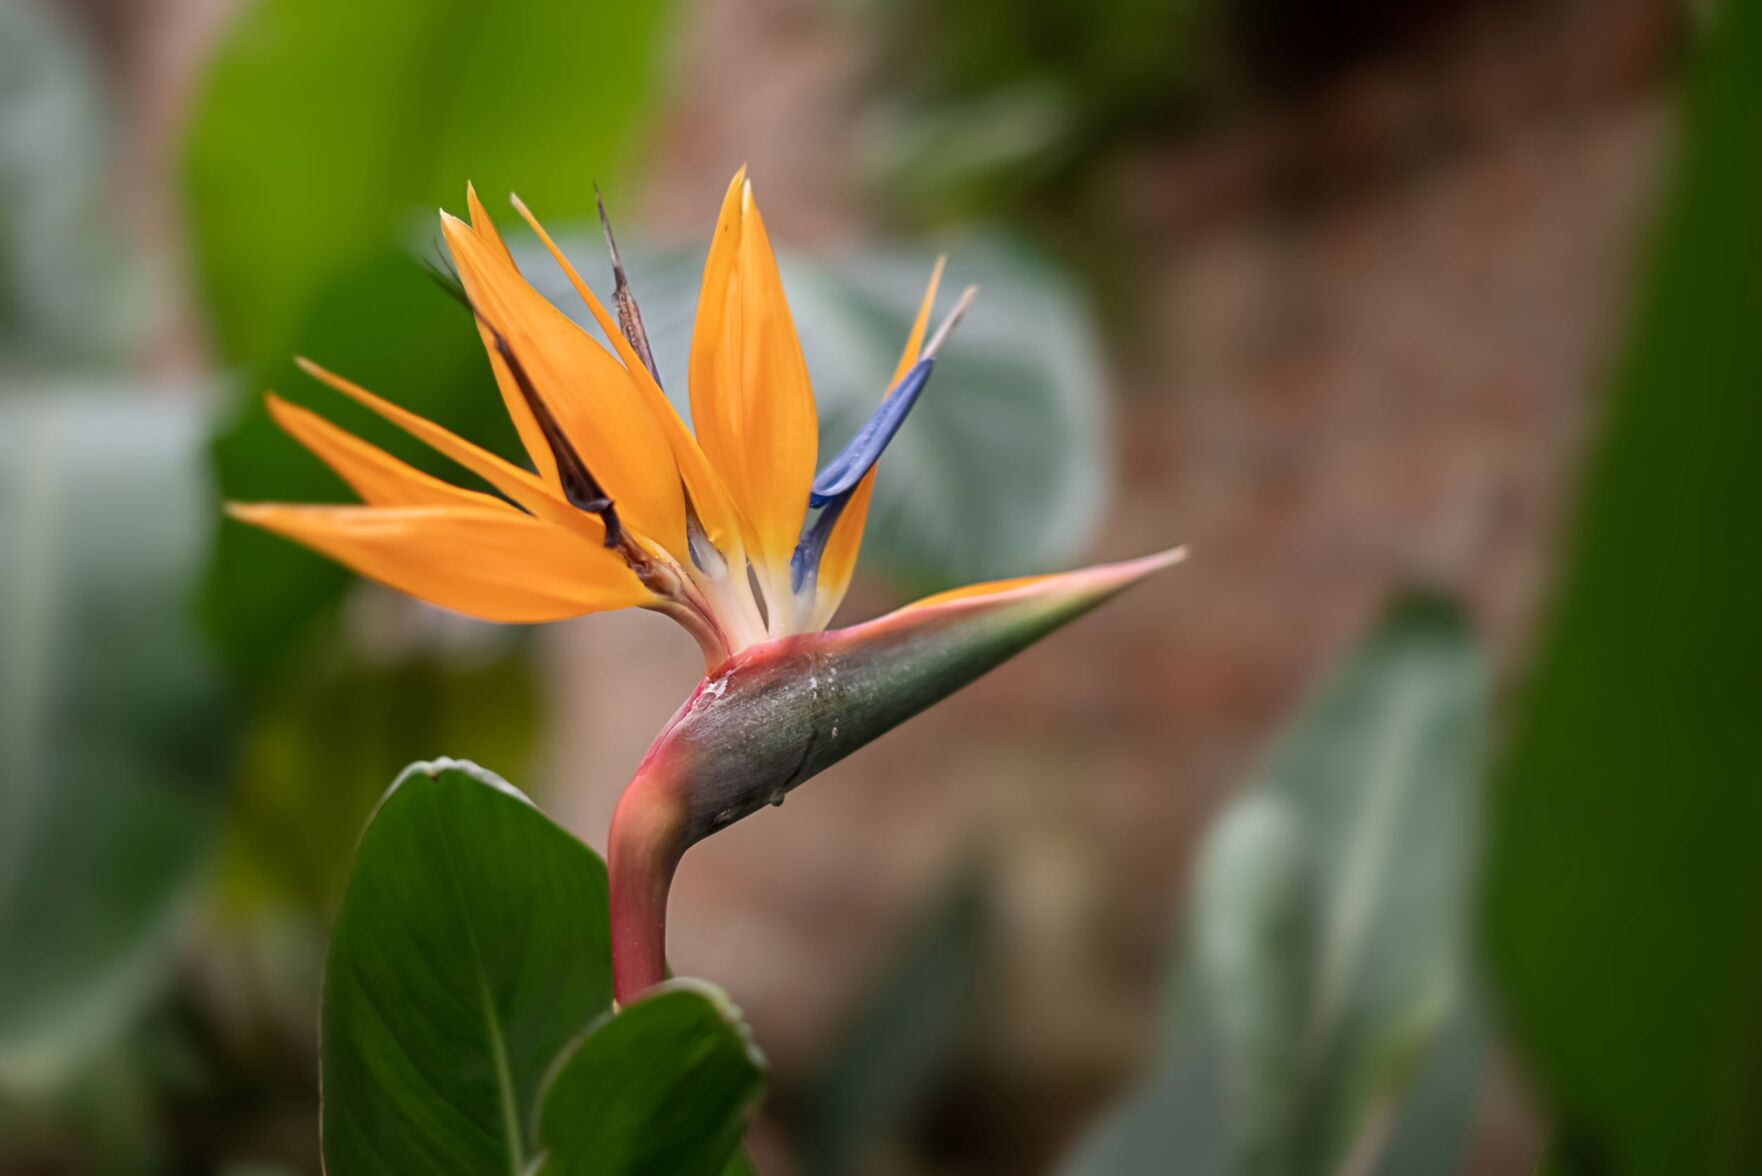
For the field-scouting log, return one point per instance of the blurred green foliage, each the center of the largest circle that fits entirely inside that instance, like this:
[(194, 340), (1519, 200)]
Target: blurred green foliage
[(70, 289), (116, 727), (1624, 899), (1326, 950), (323, 124), (324, 739), (1001, 102), (324, 132)]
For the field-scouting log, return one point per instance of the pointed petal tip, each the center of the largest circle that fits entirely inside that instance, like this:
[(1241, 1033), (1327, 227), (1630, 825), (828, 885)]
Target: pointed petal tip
[(280, 408), (1163, 559), (321, 373), (1114, 577), (1094, 584)]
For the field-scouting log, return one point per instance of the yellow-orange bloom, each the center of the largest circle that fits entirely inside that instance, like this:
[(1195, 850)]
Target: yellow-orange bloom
[(623, 505)]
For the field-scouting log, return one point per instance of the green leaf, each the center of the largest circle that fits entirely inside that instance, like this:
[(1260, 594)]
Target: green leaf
[(1003, 467), (324, 124), (471, 947), (115, 730), (662, 1088), (1624, 892)]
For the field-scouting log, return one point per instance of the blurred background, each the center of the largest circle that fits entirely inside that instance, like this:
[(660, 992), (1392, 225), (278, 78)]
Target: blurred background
[(1401, 830)]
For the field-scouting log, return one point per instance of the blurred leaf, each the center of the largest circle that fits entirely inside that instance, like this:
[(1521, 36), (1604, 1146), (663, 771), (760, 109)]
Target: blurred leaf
[(1255, 915), (66, 290), (325, 130), (662, 1088), (1003, 467), (470, 948), (1380, 774), (1624, 896), (903, 1030), (323, 124), (1432, 1129), (1326, 951), (115, 733)]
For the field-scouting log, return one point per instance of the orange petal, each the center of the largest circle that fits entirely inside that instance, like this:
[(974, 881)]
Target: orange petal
[(532, 438), (715, 509), (520, 485), (751, 404), (839, 560), (496, 565), (592, 397), (482, 223), (378, 477)]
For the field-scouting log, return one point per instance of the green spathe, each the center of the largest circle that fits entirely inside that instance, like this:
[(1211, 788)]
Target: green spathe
[(780, 713), (776, 714)]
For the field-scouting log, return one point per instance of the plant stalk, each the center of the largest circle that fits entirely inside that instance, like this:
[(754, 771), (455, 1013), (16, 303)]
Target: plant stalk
[(647, 840)]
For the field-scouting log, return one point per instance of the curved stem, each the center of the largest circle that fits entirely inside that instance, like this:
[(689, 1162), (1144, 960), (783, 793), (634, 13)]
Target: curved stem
[(647, 840)]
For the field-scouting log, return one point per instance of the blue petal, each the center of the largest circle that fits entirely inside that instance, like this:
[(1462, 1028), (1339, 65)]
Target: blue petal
[(804, 563), (842, 473)]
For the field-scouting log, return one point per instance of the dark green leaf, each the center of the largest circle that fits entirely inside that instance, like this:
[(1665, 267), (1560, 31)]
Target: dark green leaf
[(471, 947), (1624, 897), (115, 733), (662, 1088)]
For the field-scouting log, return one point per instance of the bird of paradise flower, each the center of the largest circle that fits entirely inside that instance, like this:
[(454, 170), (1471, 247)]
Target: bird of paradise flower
[(731, 528)]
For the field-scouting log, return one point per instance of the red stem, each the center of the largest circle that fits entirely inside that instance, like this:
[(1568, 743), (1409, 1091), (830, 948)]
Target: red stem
[(647, 840)]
